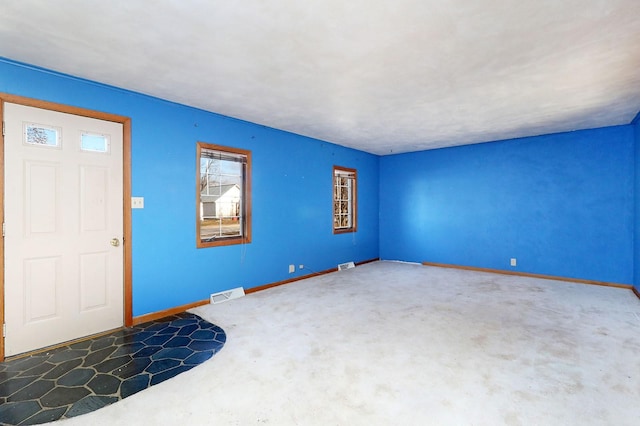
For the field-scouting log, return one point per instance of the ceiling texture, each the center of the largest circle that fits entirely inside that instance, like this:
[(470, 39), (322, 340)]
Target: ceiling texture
[(383, 76)]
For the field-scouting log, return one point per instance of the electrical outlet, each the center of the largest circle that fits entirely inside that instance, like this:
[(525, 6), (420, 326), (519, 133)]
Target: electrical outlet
[(300, 266), (292, 269), (137, 202), (514, 262)]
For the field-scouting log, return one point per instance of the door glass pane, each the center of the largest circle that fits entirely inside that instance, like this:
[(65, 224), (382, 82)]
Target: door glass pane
[(36, 134), (94, 143)]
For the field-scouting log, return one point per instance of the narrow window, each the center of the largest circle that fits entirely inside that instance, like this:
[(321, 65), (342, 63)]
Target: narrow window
[(344, 200), (223, 196)]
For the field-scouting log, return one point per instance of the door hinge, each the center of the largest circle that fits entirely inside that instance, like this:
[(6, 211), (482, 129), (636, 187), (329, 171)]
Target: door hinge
[(4, 330), (3, 128), (3, 224)]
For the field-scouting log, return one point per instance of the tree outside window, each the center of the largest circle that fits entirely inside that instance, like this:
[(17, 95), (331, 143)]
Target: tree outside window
[(344, 200), (223, 195)]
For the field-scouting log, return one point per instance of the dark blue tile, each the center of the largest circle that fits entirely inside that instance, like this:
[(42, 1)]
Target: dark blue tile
[(125, 332), (174, 353), (98, 356), (61, 396), (104, 384), (221, 337), (102, 342), (89, 404), (6, 375), (39, 369), (63, 368), (184, 321), (168, 330), (165, 375), (198, 358), (158, 340), (128, 349), (138, 337), (177, 342), (134, 385), (136, 366), (15, 412), (45, 416), (23, 364), (85, 344), (162, 365), (12, 386), (208, 326), (59, 349), (111, 364), (204, 345), (157, 326), (147, 352), (76, 377), (34, 391), (68, 355), (204, 335), (187, 330)]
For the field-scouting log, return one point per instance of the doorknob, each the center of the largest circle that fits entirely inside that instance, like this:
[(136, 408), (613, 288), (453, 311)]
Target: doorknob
[(115, 242)]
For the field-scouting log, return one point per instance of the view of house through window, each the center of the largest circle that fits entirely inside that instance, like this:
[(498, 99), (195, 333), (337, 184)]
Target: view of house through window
[(224, 206), (344, 200)]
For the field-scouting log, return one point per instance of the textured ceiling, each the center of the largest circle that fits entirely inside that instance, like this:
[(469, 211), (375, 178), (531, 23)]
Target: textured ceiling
[(384, 76)]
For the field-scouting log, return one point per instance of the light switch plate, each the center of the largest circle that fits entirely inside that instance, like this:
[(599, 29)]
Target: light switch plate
[(137, 202)]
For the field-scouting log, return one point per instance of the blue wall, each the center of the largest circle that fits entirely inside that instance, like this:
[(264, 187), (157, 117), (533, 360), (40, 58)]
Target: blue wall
[(562, 204), (292, 193), (636, 252)]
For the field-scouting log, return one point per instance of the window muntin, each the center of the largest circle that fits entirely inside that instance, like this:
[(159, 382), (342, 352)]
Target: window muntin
[(344, 200), (223, 195)]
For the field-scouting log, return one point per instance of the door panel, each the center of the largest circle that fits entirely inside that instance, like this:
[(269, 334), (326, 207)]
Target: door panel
[(40, 197), (94, 188), (94, 283), (41, 282), (63, 206)]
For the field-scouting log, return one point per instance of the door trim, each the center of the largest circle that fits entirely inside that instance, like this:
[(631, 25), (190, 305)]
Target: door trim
[(126, 191)]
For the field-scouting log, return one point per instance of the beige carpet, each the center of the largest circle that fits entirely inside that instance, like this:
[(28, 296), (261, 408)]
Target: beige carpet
[(401, 344)]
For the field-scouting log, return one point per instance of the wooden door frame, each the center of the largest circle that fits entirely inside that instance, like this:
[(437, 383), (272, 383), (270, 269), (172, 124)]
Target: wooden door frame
[(126, 191)]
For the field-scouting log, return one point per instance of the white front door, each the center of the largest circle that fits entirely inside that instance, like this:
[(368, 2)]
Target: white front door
[(63, 227)]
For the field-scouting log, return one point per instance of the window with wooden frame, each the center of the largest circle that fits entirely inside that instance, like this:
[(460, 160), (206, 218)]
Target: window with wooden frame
[(345, 204), (223, 202)]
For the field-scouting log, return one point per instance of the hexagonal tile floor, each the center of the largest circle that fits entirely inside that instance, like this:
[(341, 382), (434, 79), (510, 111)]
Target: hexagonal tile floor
[(82, 377)]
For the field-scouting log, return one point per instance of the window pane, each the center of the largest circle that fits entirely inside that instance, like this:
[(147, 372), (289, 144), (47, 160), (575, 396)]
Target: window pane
[(344, 193), (94, 143), (223, 183), (344, 207), (36, 134)]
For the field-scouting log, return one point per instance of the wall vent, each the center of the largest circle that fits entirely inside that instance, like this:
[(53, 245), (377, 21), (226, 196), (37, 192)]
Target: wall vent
[(348, 265), (223, 296)]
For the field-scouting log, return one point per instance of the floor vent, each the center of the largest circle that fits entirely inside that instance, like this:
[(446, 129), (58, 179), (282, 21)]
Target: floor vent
[(348, 265), (223, 296)]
